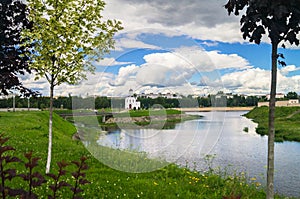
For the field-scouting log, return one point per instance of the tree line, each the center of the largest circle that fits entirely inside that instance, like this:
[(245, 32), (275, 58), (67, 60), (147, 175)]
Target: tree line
[(65, 102)]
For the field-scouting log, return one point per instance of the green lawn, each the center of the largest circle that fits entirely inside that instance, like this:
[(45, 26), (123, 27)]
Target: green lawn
[(287, 122), (28, 132)]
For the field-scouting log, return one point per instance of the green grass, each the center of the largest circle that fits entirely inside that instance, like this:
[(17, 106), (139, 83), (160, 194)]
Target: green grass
[(172, 117), (287, 122), (140, 113), (28, 132)]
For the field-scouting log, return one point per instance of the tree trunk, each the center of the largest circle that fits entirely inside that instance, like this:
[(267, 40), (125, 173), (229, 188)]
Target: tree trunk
[(50, 129), (271, 137)]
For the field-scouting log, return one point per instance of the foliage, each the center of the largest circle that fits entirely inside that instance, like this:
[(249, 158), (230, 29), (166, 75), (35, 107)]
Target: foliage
[(67, 37), (292, 95), (65, 102), (79, 176), (279, 18), (35, 179), (13, 15), (7, 173)]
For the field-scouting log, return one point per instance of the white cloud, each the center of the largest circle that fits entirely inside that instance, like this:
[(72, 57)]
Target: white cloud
[(125, 74), (222, 61), (257, 81), (287, 69), (110, 62), (172, 70), (124, 43), (198, 19)]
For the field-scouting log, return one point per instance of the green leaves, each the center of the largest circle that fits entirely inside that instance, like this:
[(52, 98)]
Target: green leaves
[(69, 31), (279, 19)]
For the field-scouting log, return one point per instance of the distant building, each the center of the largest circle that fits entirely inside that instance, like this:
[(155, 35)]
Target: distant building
[(156, 95), (277, 96), (291, 102), (131, 102)]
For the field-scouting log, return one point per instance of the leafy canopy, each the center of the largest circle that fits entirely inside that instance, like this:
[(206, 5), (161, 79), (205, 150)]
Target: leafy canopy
[(292, 95), (68, 35), (280, 18), (13, 62)]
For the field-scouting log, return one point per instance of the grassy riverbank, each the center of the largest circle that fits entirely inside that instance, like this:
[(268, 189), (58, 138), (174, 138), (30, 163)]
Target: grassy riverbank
[(287, 122), (152, 118), (28, 132)]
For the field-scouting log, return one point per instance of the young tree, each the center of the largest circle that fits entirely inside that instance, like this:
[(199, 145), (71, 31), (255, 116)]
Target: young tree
[(68, 35), (279, 19), (13, 15)]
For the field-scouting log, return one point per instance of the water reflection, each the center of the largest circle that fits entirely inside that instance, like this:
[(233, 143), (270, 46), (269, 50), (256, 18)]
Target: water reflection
[(219, 133)]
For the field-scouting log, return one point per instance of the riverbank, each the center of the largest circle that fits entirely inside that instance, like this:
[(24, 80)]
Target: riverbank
[(287, 126), (156, 119), (208, 109), (28, 132)]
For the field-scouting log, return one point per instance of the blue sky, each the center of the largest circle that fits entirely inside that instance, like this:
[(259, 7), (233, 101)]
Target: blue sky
[(184, 47)]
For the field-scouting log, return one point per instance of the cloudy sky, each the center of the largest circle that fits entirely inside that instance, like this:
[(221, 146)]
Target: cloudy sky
[(185, 47)]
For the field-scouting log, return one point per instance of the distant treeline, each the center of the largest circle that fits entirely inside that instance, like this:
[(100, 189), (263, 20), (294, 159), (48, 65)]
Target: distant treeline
[(210, 100), (60, 102), (106, 102)]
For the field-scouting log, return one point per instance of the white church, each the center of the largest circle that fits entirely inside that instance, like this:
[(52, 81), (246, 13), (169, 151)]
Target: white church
[(131, 102)]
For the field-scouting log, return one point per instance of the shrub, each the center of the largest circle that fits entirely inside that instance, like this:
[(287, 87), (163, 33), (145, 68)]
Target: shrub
[(33, 178)]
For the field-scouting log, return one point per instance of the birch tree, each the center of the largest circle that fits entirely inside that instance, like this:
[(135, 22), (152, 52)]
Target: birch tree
[(280, 20), (68, 35)]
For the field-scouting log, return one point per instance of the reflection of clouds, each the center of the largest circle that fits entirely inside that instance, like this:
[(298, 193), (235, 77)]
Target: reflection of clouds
[(190, 140)]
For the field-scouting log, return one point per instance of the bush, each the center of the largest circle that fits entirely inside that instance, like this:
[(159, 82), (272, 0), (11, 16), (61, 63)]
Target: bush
[(34, 179)]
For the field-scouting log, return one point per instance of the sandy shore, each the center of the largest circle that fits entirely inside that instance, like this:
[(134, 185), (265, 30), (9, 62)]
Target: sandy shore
[(206, 109)]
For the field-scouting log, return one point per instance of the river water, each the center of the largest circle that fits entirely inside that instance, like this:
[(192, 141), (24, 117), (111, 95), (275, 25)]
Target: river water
[(222, 135)]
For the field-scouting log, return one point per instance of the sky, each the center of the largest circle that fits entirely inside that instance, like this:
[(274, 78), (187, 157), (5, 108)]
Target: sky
[(186, 47)]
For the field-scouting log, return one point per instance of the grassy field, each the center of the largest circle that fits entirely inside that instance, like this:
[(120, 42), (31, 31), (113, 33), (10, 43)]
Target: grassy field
[(28, 132), (287, 122)]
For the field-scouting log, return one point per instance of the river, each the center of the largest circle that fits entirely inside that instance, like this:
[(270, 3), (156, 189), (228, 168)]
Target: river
[(223, 135)]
